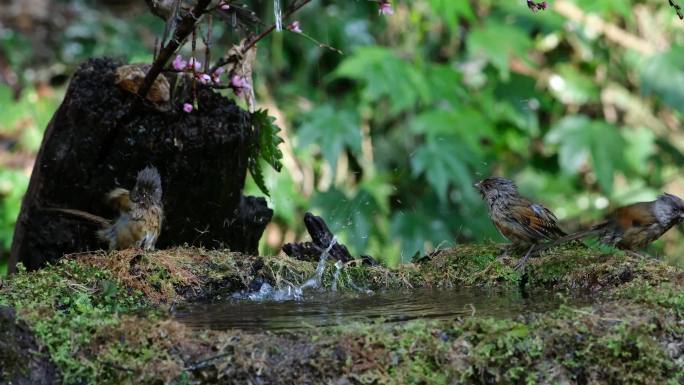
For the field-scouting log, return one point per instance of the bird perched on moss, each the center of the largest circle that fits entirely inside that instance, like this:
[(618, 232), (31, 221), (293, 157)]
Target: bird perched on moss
[(634, 226), (524, 223), (140, 213)]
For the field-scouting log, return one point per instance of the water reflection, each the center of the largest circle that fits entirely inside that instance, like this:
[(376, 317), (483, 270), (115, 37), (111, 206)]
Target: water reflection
[(330, 309)]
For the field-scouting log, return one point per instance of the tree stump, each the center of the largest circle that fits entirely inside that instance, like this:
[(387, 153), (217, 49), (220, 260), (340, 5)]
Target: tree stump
[(101, 136)]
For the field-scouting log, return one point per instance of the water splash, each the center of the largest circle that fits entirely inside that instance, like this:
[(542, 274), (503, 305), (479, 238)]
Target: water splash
[(338, 267), (292, 292), (317, 280), (278, 15)]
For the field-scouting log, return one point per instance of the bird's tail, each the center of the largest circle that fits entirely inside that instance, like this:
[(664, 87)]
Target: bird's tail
[(80, 214), (594, 230)]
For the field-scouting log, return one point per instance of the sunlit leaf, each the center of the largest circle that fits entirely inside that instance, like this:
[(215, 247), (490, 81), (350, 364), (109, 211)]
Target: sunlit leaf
[(572, 86)]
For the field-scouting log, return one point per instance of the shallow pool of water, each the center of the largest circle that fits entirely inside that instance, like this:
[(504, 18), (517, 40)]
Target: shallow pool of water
[(330, 309)]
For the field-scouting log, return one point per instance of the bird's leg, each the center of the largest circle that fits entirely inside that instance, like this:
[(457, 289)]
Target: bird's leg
[(521, 264), (505, 251)]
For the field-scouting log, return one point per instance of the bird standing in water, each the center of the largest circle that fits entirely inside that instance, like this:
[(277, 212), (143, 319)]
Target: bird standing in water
[(524, 223), (634, 226)]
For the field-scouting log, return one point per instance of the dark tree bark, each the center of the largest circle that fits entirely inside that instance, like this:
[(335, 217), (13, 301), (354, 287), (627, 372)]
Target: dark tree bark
[(22, 360), (321, 239), (101, 136)]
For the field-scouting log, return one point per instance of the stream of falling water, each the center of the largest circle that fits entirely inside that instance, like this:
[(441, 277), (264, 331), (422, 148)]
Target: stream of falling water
[(293, 292), (278, 15)]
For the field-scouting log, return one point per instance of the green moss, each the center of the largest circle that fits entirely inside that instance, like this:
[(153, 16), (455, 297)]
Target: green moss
[(67, 305), (101, 318)]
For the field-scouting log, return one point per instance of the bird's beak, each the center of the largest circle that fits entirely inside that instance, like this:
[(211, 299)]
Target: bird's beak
[(477, 185)]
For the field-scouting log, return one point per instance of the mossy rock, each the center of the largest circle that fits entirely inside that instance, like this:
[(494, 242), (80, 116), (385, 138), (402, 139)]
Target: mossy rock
[(104, 318)]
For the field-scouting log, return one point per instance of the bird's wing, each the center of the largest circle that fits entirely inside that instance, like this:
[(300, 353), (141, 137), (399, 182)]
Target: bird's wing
[(120, 199), (537, 220), (634, 215)]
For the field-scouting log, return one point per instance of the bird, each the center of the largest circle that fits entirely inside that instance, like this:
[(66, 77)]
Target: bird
[(524, 223), (633, 226), (140, 217)]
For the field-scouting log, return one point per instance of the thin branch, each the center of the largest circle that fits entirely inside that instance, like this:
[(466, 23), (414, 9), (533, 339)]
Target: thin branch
[(677, 9), (206, 362), (182, 31), (206, 39)]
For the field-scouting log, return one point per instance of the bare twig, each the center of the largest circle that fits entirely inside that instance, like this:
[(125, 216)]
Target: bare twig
[(206, 362), (206, 39), (185, 27), (677, 8), (9, 76)]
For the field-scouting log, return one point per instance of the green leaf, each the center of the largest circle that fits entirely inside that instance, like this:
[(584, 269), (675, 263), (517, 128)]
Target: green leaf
[(445, 84), (352, 217), (451, 10), (663, 76), (385, 76), (266, 148), (573, 87), (257, 173), (415, 228), (468, 124), (573, 140), (640, 147), (498, 41), (268, 138), (445, 160), (332, 130), (578, 137)]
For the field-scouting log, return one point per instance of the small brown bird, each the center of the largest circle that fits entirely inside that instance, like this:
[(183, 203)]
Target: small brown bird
[(524, 223), (634, 226), (140, 214)]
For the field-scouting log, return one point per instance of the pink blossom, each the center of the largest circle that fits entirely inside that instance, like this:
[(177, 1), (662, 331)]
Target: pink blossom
[(239, 84), (204, 78), (294, 27), (224, 6), (216, 76), (385, 8), (187, 107), (194, 62), (179, 64), (534, 6)]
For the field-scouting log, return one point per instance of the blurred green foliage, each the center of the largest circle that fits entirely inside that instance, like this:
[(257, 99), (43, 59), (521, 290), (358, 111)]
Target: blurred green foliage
[(386, 140)]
